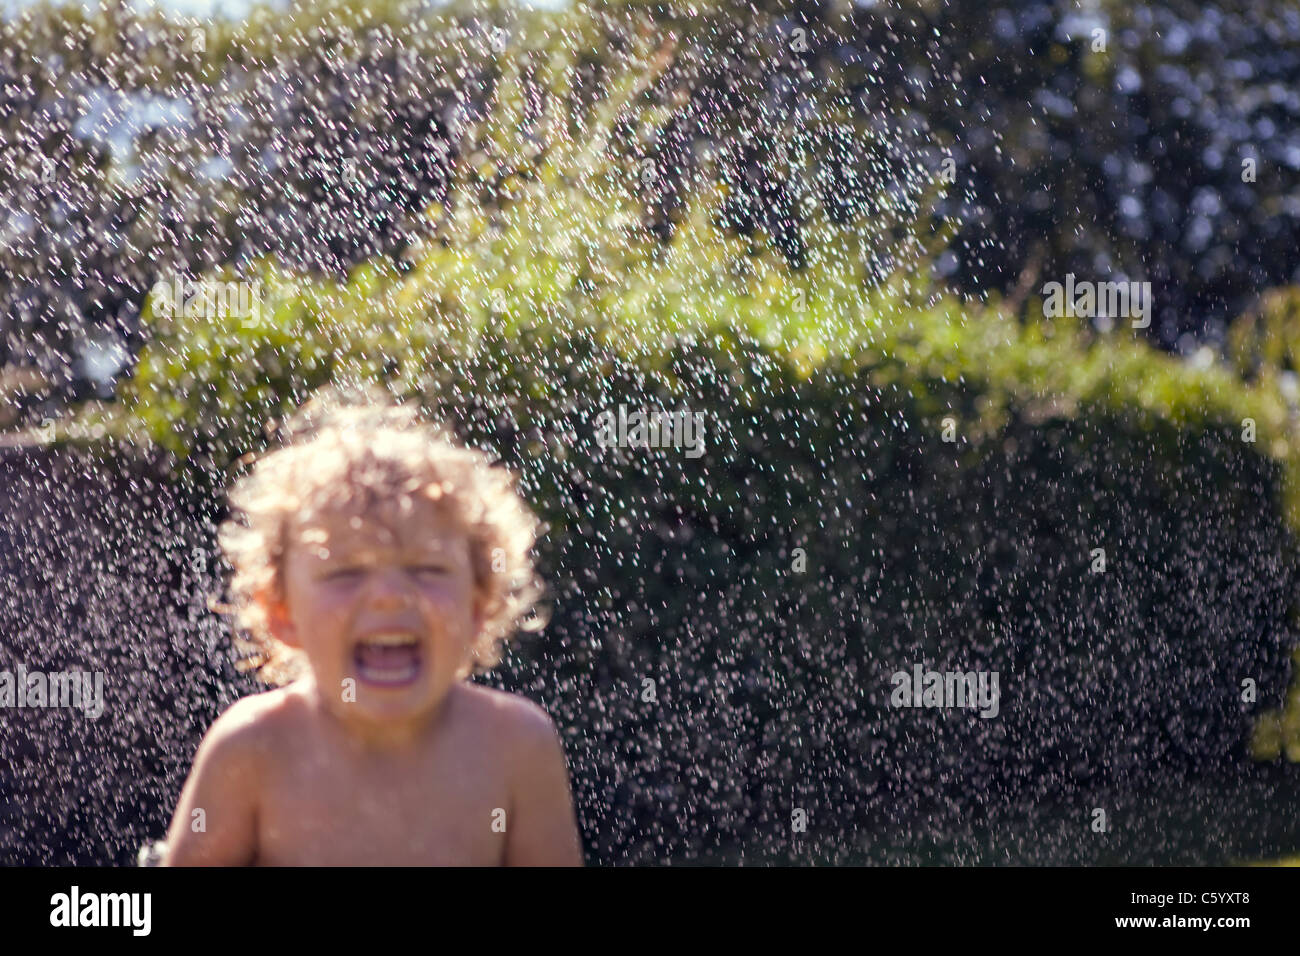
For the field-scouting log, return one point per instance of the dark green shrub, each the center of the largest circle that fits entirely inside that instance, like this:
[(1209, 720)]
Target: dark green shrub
[(824, 401)]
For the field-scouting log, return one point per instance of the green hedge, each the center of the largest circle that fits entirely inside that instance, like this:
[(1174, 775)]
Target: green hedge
[(824, 398)]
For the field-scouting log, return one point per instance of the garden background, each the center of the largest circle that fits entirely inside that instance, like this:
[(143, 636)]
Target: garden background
[(823, 227)]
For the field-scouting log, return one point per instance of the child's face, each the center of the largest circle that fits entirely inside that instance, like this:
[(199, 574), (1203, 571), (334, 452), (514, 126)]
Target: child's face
[(387, 599)]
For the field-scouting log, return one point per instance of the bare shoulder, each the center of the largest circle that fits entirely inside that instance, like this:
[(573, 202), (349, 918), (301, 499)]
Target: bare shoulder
[(512, 719), (254, 725), (543, 830), (224, 787)]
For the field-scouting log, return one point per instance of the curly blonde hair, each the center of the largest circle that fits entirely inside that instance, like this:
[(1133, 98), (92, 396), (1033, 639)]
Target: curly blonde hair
[(359, 448)]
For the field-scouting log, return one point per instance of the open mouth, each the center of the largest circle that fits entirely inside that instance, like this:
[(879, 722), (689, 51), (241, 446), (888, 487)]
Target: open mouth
[(390, 659)]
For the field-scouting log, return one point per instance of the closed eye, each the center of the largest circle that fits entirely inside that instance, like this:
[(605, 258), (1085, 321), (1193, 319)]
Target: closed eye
[(342, 573)]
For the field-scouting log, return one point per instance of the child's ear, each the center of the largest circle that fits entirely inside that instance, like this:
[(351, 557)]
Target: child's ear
[(278, 621)]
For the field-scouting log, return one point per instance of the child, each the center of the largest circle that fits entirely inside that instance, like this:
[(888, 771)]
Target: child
[(376, 567)]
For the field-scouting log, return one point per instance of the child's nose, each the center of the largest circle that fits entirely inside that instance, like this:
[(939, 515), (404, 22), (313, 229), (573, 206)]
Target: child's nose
[(390, 586)]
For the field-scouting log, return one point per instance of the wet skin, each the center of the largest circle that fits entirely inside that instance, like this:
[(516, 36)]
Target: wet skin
[(385, 754)]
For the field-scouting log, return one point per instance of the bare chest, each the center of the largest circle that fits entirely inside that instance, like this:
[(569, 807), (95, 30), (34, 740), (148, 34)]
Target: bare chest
[(332, 812)]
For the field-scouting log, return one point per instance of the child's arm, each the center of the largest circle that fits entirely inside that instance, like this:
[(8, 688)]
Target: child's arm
[(544, 831), (223, 785)]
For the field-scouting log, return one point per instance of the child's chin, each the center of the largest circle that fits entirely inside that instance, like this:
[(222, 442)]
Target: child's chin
[(391, 698)]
